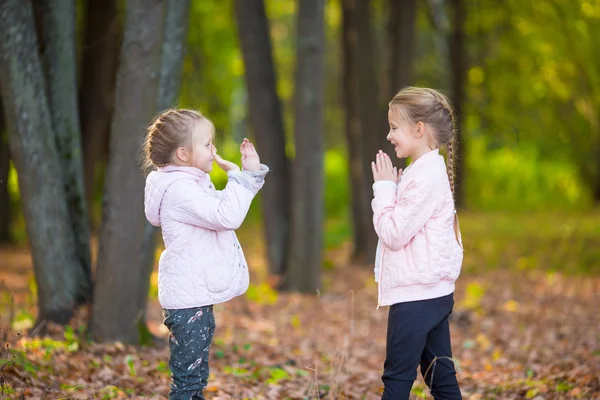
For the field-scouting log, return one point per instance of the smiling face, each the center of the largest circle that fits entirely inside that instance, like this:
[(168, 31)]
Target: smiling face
[(402, 135), (409, 139)]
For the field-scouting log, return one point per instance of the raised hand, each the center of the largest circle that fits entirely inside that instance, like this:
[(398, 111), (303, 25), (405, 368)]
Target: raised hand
[(383, 170), (224, 164), (250, 159)]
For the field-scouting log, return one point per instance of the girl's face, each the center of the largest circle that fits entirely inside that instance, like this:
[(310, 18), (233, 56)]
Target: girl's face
[(409, 140), (402, 135), (202, 151)]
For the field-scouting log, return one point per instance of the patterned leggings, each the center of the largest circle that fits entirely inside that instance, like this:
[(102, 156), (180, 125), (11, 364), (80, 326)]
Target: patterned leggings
[(192, 330)]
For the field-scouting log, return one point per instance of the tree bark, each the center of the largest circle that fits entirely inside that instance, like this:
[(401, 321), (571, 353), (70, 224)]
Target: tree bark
[(58, 58), (371, 115), (401, 44), (368, 88), (304, 267), (5, 212), (267, 125), (36, 158), (364, 237), (116, 312), (401, 22), (459, 67), (173, 52), (103, 36)]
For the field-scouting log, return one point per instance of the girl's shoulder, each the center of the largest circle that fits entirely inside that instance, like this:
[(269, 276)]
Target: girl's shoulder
[(187, 187)]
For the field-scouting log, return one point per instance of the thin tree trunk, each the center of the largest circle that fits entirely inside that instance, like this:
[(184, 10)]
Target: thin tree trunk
[(368, 88), (401, 44), (401, 22), (304, 267), (58, 44), (370, 113), (458, 63), (5, 212), (364, 237), (103, 36), (267, 125), (116, 313), (36, 158), (173, 52)]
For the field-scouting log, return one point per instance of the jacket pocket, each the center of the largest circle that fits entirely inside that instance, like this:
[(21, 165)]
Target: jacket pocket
[(218, 276)]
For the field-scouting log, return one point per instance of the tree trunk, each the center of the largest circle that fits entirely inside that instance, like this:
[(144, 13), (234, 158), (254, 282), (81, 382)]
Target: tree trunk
[(103, 36), (456, 48), (369, 110), (401, 44), (267, 125), (116, 312), (36, 158), (304, 267), (364, 237), (5, 220), (372, 116), (58, 58), (173, 52), (401, 22)]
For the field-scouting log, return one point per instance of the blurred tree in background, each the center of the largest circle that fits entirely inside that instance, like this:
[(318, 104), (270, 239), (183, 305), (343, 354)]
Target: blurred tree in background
[(523, 78)]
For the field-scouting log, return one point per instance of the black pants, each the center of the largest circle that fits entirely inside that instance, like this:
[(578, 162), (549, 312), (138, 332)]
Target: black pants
[(419, 334), (192, 330)]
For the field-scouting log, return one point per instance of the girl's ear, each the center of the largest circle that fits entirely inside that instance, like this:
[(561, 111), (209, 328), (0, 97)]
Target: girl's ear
[(420, 129), (182, 155)]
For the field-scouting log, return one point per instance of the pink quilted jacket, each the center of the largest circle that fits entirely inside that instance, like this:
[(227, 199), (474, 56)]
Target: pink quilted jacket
[(203, 262), (418, 255)]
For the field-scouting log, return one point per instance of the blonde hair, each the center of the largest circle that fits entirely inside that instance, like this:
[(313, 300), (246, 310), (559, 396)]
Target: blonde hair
[(170, 130), (431, 107)]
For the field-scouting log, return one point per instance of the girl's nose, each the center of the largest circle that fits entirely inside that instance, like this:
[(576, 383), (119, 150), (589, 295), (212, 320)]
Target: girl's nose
[(389, 136)]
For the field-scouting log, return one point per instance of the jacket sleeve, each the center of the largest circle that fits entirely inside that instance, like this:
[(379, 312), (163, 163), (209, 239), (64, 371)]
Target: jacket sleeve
[(192, 205), (398, 214)]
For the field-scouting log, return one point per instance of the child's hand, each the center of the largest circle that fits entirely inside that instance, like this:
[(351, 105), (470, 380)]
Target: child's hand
[(223, 164), (250, 159), (383, 170)]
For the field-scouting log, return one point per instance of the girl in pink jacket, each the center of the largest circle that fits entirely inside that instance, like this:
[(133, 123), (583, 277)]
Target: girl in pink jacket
[(419, 255), (203, 263)]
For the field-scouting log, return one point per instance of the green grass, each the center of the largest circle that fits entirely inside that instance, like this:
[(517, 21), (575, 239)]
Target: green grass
[(561, 242)]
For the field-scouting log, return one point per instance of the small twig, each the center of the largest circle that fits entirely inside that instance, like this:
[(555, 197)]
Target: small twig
[(45, 393), (432, 364), (41, 325), (77, 387)]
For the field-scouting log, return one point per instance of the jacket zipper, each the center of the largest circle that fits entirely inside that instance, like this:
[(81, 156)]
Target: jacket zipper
[(379, 291)]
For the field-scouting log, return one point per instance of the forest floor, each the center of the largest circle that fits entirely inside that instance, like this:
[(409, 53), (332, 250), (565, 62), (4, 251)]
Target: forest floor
[(526, 325)]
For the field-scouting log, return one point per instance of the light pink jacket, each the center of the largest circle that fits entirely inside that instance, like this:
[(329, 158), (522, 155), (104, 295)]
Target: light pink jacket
[(203, 262), (418, 255)]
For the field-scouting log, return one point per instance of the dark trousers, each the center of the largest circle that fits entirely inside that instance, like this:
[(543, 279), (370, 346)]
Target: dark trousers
[(192, 330), (418, 334)]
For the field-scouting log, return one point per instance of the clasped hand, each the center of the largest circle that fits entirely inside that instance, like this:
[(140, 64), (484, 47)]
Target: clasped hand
[(383, 170)]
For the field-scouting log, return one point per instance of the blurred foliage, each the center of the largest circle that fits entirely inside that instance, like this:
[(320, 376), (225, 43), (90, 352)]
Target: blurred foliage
[(565, 242), (531, 122)]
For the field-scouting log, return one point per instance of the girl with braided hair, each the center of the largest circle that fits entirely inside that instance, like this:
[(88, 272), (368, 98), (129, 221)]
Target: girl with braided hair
[(419, 255)]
